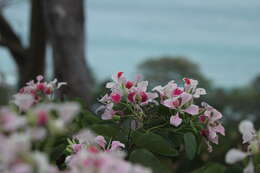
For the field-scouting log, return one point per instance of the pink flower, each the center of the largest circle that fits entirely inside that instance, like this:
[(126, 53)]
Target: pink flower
[(140, 95), (187, 81), (118, 80), (100, 140), (9, 121), (167, 90), (109, 112), (214, 127), (175, 120), (116, 145), (192, 109), (39, 78), (76, 147), (190, 86), (41, 87), (180, 101), (177, 92)]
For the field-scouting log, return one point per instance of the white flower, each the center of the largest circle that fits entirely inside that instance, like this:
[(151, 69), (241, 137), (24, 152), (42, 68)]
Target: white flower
[(199, 92), (235, 155), (10, 121), (67, 111), (249, 168), (85, 137), (42, 163), (23, 101), (246, 128)]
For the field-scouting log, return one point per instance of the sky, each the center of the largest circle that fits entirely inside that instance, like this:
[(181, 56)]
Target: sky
[(222, 36)]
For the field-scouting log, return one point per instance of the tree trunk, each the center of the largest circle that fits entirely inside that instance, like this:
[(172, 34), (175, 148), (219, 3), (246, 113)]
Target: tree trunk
[(35, 62), (30, 61), (65, 23)]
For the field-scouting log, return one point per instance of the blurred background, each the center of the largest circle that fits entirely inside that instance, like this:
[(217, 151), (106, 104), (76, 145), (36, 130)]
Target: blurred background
[(84, 42)]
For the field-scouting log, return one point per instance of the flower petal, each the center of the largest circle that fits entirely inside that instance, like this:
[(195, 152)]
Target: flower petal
[(193, 110), (235, 155), (175, 120)]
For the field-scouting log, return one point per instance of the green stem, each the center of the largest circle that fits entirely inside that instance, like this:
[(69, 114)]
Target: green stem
[(156, 127)]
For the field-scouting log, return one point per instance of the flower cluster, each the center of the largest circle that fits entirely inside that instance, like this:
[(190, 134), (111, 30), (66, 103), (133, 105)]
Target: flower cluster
[(250, 137), (27, 134), (34, 92), (40, 119), (125, 92), (178, 99), (93, 154), (17, 136), (17, 157)]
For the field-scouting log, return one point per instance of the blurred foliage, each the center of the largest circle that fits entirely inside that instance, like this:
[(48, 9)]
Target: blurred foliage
[(160, 70), (236, 104)]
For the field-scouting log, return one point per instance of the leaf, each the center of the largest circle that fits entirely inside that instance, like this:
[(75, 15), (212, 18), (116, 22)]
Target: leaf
[(156, 144), (190, 145), (88, 116), (234, 169), (257, 168), (147, 159), (104, 130), (211, 168)]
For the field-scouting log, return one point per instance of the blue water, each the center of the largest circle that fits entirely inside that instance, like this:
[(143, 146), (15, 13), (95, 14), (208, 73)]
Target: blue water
[(222, 36)]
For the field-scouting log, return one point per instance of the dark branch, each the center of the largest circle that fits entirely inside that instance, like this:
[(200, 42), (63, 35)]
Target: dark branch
[(10, 40)]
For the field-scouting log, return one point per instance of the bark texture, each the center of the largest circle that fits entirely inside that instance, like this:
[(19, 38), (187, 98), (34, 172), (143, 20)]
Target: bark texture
[(65, 23)]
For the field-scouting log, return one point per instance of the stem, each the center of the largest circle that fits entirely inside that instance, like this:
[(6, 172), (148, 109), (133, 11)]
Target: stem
[(129, 133), (156, 127)]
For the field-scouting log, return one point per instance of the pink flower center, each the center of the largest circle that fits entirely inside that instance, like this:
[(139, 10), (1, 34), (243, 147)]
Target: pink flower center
[(48, 91), (119, 74), (202, 118), (41, 87), (177, 92), (129, 84), (42, 118), (131, 96), (176, 103), (92, 149), (144, 97), (187, 81), (116, 98), (204, 132)]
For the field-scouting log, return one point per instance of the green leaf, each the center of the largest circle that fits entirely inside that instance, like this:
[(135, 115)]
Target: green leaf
[(147, 159), (190, 145), (211, 168), (91, 118), (156, 144), (104, 130), (234, 169), (257, 168)]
